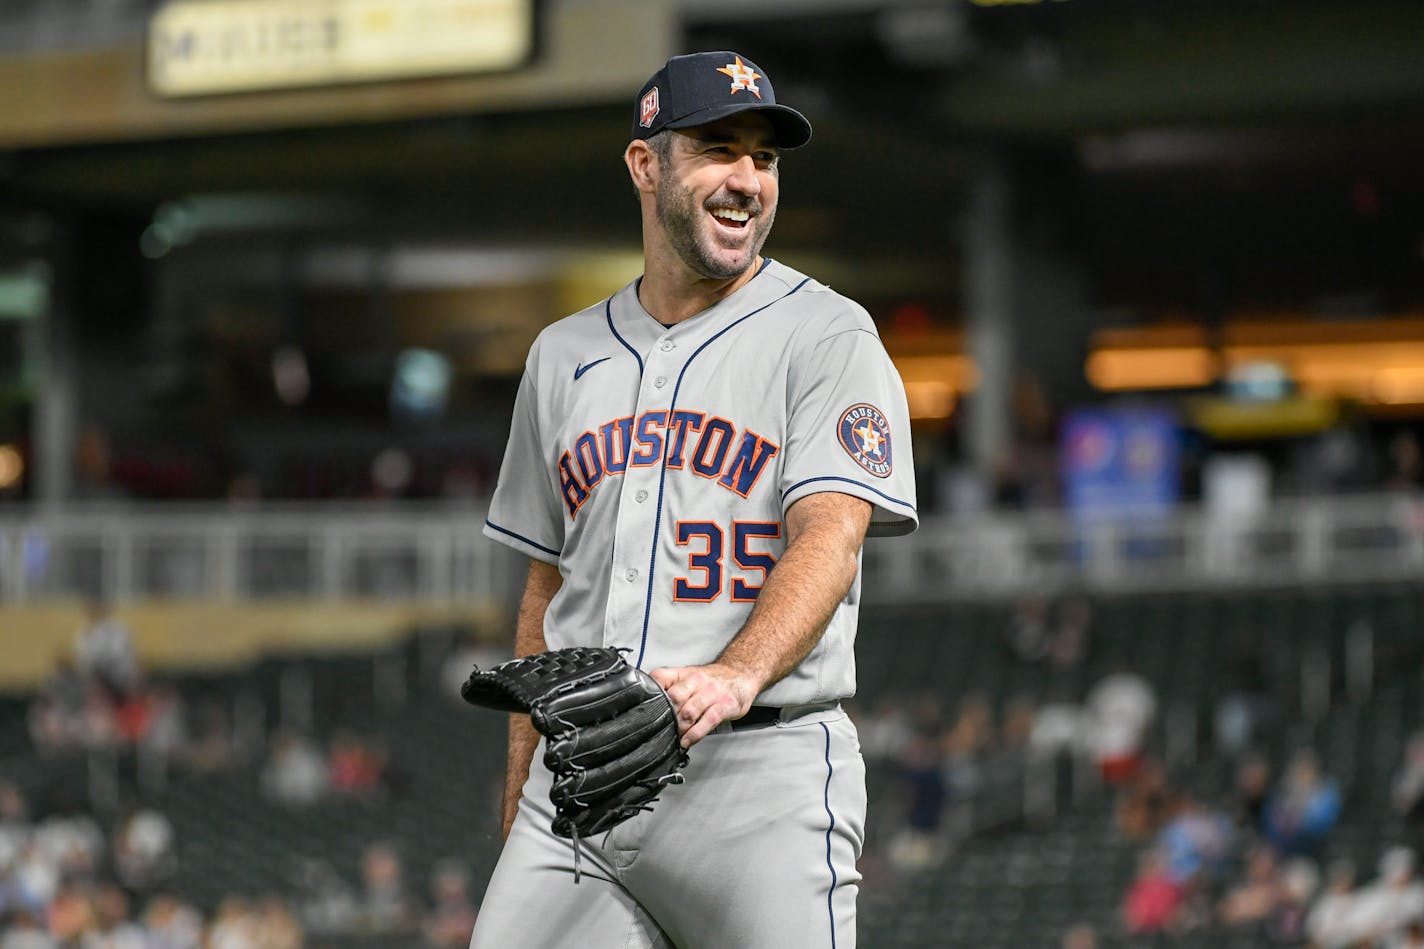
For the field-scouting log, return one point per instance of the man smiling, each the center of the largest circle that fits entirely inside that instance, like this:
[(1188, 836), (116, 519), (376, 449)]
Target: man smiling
[(692, 468)]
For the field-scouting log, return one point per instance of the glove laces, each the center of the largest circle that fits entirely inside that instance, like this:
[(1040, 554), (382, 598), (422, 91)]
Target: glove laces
[(619, 815)]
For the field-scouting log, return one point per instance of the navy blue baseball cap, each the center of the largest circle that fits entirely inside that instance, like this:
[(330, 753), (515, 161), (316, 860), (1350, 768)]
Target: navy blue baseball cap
[(703, 87)]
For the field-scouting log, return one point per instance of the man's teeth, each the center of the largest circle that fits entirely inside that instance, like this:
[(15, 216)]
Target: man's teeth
[(731, 214)]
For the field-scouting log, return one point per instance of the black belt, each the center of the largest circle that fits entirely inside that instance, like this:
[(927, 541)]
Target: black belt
[(758, 716)]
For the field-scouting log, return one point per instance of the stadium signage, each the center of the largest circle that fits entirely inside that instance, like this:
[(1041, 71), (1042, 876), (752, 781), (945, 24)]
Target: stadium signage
[(201, 47)]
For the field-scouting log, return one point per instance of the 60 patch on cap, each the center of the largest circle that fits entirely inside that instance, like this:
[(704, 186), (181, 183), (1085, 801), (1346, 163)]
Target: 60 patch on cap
[(865, 435)]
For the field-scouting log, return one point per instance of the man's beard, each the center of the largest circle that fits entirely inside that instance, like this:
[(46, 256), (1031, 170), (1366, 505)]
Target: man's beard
[(681, 218)]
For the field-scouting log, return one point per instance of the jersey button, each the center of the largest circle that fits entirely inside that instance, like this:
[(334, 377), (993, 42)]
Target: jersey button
[(666, 345), (631, 575), (640, 497), (659, 382)]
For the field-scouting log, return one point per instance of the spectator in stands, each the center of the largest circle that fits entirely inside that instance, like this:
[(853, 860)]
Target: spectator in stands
[(274, 926), (924, 792), (1252, 790), (233, 926), (112, 928), (1016, 730), (1252, 902), (133, 714), (965, 744), (1153, 900), (885, 731), (25, 930), (1027, 635), (101, 724), (1411, 938), (172, 924), (1195, 842), (14, 824), (72, 842), (1299, 881), (392, 781), (1331, 922), (104, 650), (212, 749), (72, 713), (1080, 936), (295, 773), (325, 903), (59, 716), (71, 914), (1059, 723), (1145, 803), (35, 877), (385, 905), (1121, 707), (927, 712), (143, 849), (1407, 793), (167, 733), (1303, 809), (352, 767), (1071, 639), (451, 918), (1246, 704), (1384, 909)]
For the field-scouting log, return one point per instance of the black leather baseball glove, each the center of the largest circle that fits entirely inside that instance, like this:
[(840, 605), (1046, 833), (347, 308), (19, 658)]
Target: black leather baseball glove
[(612, 733)]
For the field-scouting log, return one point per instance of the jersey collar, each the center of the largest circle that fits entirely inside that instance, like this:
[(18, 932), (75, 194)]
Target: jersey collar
[(638, 328)]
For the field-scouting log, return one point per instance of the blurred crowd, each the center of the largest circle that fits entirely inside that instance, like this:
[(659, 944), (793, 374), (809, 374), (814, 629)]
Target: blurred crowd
[(1252, 861), (98, 698), (73, 878), (959, 770), (66, 883), (1256, 860)]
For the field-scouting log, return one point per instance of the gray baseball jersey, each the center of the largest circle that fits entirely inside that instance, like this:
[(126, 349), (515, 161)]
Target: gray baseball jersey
[(654, 466)]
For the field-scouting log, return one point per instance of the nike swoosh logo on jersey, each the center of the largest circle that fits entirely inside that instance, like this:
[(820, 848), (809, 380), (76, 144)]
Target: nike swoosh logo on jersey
[(582, 367)]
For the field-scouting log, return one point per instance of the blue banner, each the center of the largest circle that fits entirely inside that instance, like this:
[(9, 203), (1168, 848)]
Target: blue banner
[(1121, 462)]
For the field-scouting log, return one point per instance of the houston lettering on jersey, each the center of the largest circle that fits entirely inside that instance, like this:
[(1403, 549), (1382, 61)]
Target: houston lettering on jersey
[(710, 445)]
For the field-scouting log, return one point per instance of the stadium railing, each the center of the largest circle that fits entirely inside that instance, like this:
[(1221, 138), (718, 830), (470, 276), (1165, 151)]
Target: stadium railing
[(424, 552)]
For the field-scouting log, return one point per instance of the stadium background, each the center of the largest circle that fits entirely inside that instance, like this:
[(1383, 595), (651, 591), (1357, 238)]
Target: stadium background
[(1153, 271)]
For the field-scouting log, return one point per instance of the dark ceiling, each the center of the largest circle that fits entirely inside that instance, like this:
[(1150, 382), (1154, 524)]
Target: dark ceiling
[(1182, 151)]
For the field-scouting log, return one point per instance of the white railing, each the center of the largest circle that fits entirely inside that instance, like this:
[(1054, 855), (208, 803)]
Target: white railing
[(415, 552), (1337, 539), (436, 552)]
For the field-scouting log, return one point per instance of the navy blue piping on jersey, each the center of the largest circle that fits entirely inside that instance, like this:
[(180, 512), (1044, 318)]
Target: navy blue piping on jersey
[(662, 473), (830, 770), (608, 315), (859, 484), (520, 537)]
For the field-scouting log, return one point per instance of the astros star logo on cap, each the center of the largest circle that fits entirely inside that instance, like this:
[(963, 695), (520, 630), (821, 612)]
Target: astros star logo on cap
[(742, 77)]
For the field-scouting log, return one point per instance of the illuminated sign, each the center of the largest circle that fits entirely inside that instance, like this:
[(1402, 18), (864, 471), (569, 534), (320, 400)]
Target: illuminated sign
[(198, 47), (1375, 362)]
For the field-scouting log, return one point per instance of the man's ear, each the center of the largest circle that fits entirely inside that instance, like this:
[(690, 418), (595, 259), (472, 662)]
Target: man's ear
[(642, 165)]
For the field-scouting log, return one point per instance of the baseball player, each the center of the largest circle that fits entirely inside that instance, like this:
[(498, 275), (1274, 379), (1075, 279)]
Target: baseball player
[(692, 468)]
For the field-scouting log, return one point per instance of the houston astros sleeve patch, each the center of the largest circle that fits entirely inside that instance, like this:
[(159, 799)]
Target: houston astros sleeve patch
[(865, 435)]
